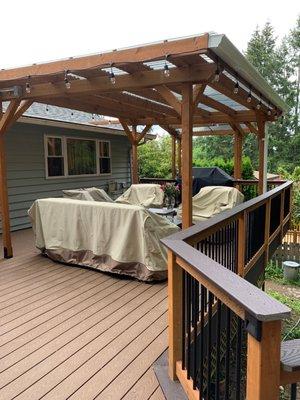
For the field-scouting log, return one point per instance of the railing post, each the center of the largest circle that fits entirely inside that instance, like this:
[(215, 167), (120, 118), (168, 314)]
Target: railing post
[(267, 230), (175, 313), (263, 363), (241, 244)]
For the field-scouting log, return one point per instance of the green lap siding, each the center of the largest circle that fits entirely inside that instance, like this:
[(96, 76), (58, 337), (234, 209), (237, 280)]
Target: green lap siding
[(26, 175)]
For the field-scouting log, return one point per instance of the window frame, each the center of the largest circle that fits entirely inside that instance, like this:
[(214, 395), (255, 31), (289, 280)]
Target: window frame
[(65, 156), (109, 152)]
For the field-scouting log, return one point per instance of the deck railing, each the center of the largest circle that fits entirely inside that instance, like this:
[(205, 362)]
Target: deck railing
[(249, 187), (224, 330)]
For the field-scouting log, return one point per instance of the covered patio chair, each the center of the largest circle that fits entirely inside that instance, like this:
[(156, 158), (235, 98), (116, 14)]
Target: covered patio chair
[(212, 200), (144, 194), (91, 194)]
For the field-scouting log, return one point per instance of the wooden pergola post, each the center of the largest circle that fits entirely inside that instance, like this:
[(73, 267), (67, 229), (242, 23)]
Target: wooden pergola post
[(187, 153), (179, 156), (134, 158), (12, 113), (173, 150), (238, 155), (261, 124)]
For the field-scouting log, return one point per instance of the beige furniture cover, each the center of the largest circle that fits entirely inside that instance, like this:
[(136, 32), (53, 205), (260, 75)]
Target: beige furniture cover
[(90, 194), (212, 200), (118, 238), (144, 194)]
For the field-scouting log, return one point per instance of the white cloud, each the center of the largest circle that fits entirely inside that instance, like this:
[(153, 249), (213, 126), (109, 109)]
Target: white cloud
[(35, 31)]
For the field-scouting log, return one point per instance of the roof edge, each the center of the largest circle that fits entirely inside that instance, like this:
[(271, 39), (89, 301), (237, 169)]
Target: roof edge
[(225, 49)]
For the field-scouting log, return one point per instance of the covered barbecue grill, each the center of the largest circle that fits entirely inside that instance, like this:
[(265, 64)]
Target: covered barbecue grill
[(213, 176)]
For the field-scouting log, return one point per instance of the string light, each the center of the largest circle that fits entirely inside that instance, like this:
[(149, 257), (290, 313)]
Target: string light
[(269, 109), (28, 87), (67, 82), (166, 68), (249, 98), (217, 74), (112, 77), (258, 106), (236, 88)]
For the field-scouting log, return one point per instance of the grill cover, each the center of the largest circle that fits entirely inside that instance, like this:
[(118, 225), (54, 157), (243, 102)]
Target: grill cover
[(214, 176)]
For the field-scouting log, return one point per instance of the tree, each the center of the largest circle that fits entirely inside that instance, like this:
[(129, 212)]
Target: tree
[(279, 66), (155, 158)]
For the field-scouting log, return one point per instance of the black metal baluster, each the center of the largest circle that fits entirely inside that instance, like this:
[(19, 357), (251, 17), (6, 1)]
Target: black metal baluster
[(228, 352), (188, 325), (195, 319), (238, 360), (201, 361), (218, 353), (294, 391), (209, 342), (183, 333)]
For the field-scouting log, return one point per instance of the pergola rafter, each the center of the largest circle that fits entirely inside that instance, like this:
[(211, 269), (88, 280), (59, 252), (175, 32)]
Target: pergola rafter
[(183, 83)]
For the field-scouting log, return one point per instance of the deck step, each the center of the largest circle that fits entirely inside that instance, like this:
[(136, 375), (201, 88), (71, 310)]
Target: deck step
[(171, 390)]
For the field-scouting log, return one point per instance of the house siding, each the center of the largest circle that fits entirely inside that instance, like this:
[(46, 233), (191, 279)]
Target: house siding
[(26, 175)]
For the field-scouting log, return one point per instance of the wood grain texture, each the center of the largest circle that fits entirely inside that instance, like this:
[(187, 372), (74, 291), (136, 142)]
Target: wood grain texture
[(263, 363)]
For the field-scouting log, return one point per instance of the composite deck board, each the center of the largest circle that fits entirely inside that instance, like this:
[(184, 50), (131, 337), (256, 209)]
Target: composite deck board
[(74, 333)]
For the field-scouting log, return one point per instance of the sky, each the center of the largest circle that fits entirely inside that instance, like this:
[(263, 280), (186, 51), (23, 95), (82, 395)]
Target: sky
[(36, 31)]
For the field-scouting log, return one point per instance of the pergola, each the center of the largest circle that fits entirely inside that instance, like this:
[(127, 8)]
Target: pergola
[(201, 81)]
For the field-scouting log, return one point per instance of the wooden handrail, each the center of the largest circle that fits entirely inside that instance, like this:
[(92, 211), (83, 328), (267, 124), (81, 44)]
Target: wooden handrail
[(255, 181), (227, 239), (226, 285), (203, 227)]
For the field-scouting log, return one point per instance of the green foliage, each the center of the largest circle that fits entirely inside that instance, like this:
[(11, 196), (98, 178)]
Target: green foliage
[(279, 66), (295, 177), (291, 327), (155, 158), (226, 165)]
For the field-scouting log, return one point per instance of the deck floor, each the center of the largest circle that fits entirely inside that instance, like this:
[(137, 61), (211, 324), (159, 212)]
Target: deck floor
[(73, 333)]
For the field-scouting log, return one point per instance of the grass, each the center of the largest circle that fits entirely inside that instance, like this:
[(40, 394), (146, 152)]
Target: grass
[(291, 326)]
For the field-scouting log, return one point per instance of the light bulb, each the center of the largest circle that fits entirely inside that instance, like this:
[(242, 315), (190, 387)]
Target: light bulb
[(259, 105), (28, 88), (217, 76), (112, 78), (67, 83), (166, 71), (249, 98), (269, 112), (236, 88)]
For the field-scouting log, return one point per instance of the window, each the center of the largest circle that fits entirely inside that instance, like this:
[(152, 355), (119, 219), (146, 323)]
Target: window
[(104, 157), (81, 157), (55, 158), (67, 156)]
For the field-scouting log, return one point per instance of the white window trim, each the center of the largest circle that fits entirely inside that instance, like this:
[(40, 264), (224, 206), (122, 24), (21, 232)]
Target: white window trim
[(65, 157)]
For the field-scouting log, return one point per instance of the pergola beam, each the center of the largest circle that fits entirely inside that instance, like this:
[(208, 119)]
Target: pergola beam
[(8, 117), (135, 139), (199, 73), (118, 58)]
